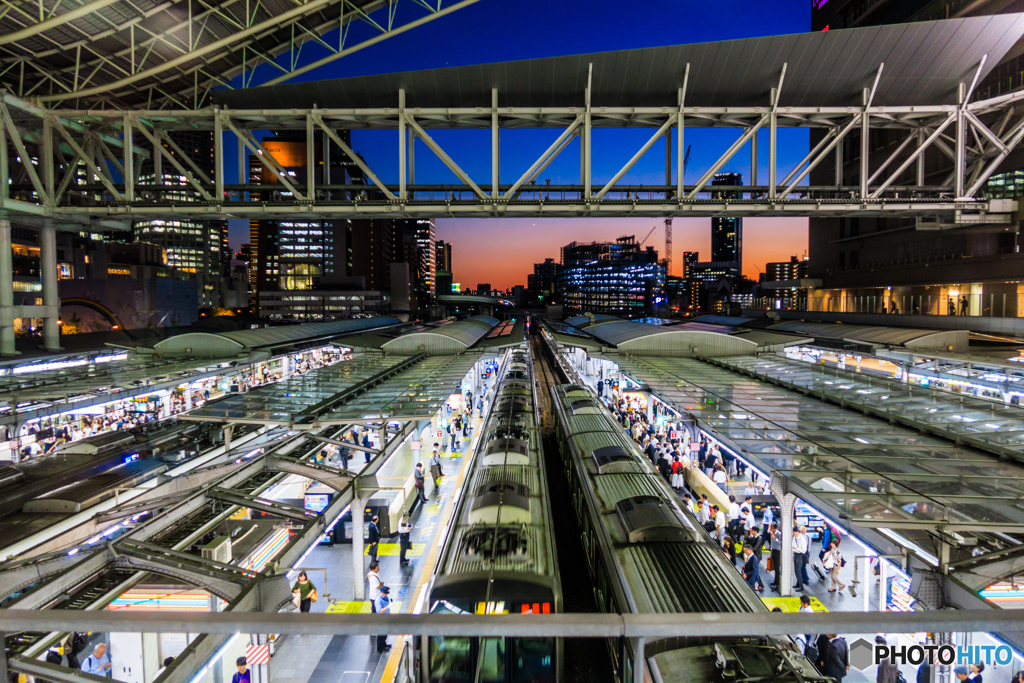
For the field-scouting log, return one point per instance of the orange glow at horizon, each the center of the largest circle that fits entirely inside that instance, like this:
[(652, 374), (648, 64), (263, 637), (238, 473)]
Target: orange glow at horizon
[(501, 251)]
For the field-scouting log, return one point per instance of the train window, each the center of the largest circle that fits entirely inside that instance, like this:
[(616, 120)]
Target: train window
[(533, 660), (450, 660), (492, 660)]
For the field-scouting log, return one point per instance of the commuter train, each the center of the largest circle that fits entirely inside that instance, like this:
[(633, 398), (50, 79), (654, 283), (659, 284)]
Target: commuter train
[(499, 554), (646, 555)]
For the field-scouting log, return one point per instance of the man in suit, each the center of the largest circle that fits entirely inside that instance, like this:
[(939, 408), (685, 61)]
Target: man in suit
[(751, 568), (835, 656), (374, 537)]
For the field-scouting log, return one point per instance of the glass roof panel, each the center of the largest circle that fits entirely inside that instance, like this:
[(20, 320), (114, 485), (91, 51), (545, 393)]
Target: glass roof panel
[(866, 467)]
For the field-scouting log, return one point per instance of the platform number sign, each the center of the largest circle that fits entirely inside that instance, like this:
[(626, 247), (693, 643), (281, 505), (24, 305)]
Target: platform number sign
[(439, 434), (673, 435)]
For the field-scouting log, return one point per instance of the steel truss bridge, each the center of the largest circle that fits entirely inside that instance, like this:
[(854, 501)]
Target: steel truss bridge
[(71, 165), (914, 83)]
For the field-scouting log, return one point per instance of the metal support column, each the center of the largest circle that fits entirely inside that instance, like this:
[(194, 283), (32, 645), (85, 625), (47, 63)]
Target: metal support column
[(51, 298), (129, 160), (839, 165), (496, 147), (753, 160), (46, 160), (787, 506), (772, 145), (961, 143), (325, 156), (243, 169), (865, 147), (922, 135), (6, 293), (228, 428), (668, 163), (358, 548), (638, 661), (412, 157), (218, 157), (587, 192), (401, 146), (382, 435), (310, 158)]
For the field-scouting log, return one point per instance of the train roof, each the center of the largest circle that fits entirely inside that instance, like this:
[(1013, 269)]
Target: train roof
[(668, 563), (501, 538)]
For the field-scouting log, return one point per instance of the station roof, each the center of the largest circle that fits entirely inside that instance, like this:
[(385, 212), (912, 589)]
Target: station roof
[(447, 339), (56, 384), (924, 62), (236, 342), (992, 426), (871, 472), (366, 389), (130, 48), (873, 335)]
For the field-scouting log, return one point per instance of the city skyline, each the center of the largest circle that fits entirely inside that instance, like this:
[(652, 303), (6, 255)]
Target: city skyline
[(475, 260), (603, 27)]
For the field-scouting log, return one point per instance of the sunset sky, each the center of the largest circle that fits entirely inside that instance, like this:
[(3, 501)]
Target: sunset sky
[(502, 251)]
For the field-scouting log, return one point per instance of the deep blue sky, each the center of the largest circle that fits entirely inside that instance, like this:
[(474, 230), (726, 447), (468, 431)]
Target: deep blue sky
[(492, 30)]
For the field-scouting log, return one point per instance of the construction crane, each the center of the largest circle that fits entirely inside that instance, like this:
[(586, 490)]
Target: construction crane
[(648, 235), (668, 223)]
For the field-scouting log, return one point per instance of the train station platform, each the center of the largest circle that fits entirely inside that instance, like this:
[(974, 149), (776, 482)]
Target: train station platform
[(354, 659), (878, 482)]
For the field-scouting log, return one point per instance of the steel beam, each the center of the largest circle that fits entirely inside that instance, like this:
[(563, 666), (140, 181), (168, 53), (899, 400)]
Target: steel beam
[(496, 146), (329, 476), (6, 286), (566, 625), (272, 507), (356, 159), (636, 157), (436, 149)]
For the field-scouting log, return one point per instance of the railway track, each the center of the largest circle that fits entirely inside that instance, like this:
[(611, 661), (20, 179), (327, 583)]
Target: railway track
[(586, 659)]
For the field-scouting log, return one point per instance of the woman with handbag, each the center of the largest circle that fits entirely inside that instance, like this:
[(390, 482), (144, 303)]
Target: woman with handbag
[(833, 562), (304, 592)]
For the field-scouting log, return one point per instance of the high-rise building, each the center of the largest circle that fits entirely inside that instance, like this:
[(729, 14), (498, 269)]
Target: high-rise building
[(545, 277), (727, 233), (690, 259), (617, 278), (783, 271), (867, 264), (195, 247), (484, 289), (444, 256), (302, 254), (426, 238)]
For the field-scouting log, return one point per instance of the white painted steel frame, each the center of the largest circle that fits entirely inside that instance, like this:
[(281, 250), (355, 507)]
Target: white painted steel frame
[(29, 124)]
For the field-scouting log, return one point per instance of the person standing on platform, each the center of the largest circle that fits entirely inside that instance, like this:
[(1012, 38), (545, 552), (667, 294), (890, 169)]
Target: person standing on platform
[(719, 523), (374, 538), (775, 536), (404, 529), (368, 444), (600, 388), (799, 555), (833, 562), (420, 481), (383, 606), (887, 671), (751, 568), (834, 656), (375, 583), (436, 472)]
